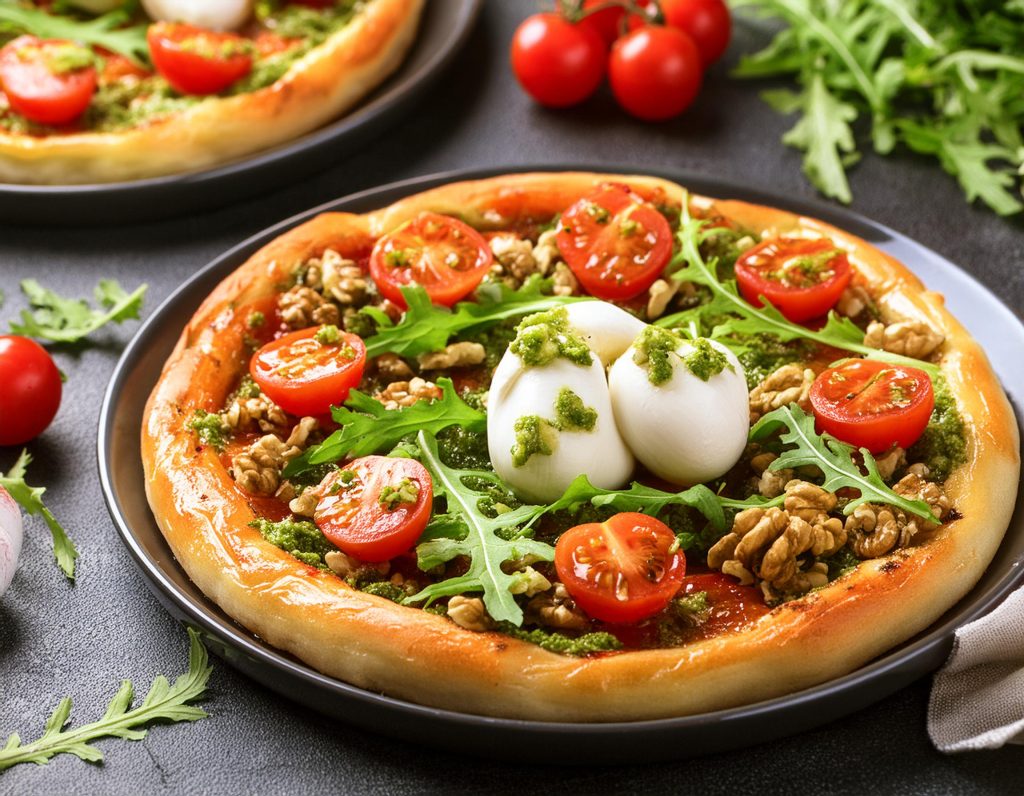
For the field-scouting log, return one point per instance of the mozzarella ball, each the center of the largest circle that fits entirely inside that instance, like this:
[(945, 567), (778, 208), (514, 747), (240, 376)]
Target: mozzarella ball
[(530, 397), (215, 15), (608, 330), (10, 538), (685, 430)]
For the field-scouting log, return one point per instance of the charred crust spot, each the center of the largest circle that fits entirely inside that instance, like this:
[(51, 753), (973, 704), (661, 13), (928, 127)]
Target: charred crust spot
[(953, 516), (204, 497), (500, 646), (889, 566)]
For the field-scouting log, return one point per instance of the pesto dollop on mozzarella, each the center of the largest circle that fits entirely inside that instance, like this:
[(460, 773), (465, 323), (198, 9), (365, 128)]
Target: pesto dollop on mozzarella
[(216, 15)]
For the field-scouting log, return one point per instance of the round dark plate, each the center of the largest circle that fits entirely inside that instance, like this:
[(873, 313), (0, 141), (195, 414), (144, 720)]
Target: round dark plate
[(444, 28), (999, 331)]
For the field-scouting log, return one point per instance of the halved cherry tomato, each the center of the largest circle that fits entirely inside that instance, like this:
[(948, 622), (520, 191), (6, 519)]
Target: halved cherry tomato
[(375, 508), (872, 404), (38, 84), (615, 244), (198, 61), (556, 62), (732, 606), (31, 390), (802, 278), (622, 570), (306, 372), (447, 257)]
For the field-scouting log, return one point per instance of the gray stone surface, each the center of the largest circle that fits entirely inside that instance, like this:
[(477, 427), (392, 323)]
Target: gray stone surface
[(81, 640)]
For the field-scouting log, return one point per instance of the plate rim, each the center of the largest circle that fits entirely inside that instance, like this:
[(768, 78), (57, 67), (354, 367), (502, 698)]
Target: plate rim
[(926, 645)]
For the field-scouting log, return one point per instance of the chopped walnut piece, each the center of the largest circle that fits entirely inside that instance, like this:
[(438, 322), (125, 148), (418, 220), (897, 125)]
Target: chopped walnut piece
[(808, 501), (770, 483), (405, 393), (854, 301), (876, 530), (343, 280), (391, 367), (565, 282), (302, 307), (891, 461), (259, 412), (913, 486), (555, 608), (469, 612), (659, 295), (305, 504), (514, 256), (789, 384), (529, 582), (454, 355), (546, 253), (915, 339), (345, 566), (258, 469)]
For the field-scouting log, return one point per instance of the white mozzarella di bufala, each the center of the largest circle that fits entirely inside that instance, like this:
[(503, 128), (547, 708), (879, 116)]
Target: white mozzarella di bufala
[(10, 538), (607, 330), (213, 14), (681, 405), (536, 428)]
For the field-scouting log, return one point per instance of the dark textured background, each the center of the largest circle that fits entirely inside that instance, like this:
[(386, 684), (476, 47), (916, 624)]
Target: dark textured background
[(81, 640)]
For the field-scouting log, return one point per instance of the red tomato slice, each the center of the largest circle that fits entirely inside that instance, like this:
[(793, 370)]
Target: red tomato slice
[(445, 256), (198, 61), (873, 404), (732, 606), (31, 389), (376, 507), (304, 374), (39, 86), (615, 244), (622, 570), (802, 278)]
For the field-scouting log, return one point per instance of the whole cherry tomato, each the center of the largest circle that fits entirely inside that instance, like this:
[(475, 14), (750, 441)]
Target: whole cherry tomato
[(198, 61), (558, 63), (655, 72), (707, 22), (48, 81), (31, 390), (605, 22)]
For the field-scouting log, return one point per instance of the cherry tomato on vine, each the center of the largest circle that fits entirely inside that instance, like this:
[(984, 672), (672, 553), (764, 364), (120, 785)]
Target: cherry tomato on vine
[(615, 243), (198, 61), (605, 22), (558, 63), (444, 255), (655, 72), (376, 507), (31, 389), (707, 22), (871, 404), (48, 81), (624, 569), (308, 371), (802, 278)]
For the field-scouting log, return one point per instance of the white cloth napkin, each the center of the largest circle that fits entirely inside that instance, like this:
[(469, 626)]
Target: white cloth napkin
[(977, 699)]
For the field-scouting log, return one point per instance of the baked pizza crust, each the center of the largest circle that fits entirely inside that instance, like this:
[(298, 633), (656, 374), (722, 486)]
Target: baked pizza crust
[(320, 87), (417, 656)]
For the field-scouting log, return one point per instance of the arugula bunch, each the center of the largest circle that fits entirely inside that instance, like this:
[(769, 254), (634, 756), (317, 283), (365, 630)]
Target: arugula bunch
[(30, 498), (65, 320), (164, 702), (941, 79)]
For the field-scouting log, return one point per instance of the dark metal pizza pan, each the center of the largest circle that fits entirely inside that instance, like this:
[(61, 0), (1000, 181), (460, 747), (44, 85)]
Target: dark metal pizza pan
[(445, 27), (997, 328)]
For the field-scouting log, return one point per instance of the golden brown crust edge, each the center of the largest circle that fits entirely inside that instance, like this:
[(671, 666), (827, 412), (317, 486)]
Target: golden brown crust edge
[(413, 655), (320, 87)]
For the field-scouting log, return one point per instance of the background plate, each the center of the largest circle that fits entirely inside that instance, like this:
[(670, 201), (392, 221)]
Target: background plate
[(445, 26), (998, 330)]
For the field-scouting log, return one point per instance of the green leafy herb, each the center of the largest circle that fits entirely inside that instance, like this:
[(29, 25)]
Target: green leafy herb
[(164, 702), (367, 427), (835, 459), (30, 498), (465, 530), (426, 327), (108, 31), (66, 320), (941, 79)]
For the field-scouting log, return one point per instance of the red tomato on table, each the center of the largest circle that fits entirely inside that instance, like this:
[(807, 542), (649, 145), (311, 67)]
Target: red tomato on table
[(615, 243), (376, 507), (622, 570), (305, 375), (802, 278), (37, 77), (605, 22), (707, 22), (872, 404), (31, 390), (558, 63), (198, 61), (655, 72)]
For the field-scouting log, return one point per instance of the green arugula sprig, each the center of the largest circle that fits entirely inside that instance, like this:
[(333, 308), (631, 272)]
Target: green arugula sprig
[(164, 702), (30, 498), (367, 427), (744, 319), (426, 327), (65, 320), (465, 530), (108, 31), (835, 459)]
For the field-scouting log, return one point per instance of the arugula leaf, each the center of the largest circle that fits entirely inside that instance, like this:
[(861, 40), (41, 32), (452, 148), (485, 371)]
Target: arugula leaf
[(30, 498), (426, 327), (466, 531), (835, 459), (367, 427), (107, 31), (65, 320), (164, 702)]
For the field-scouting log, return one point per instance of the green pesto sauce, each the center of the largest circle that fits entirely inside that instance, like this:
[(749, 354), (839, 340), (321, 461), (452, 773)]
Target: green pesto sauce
[(652, 351), (943, 446), (463, 450), (385, 589), (247, 388), (763, 355), (328, 334), (841, 562), (543, 337), (571, 414), (403, 493), (692, 609), (301, 538), (586, 644), (66, 58), (495, 341), (209, 427), (705, 361), (534, 435)]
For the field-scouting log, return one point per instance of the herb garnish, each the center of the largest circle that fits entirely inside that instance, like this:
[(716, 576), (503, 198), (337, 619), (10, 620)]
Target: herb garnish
[(107, 31), (65, 320)]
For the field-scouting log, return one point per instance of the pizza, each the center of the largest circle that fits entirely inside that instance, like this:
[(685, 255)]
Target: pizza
[(579, 447), (131, 95)]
